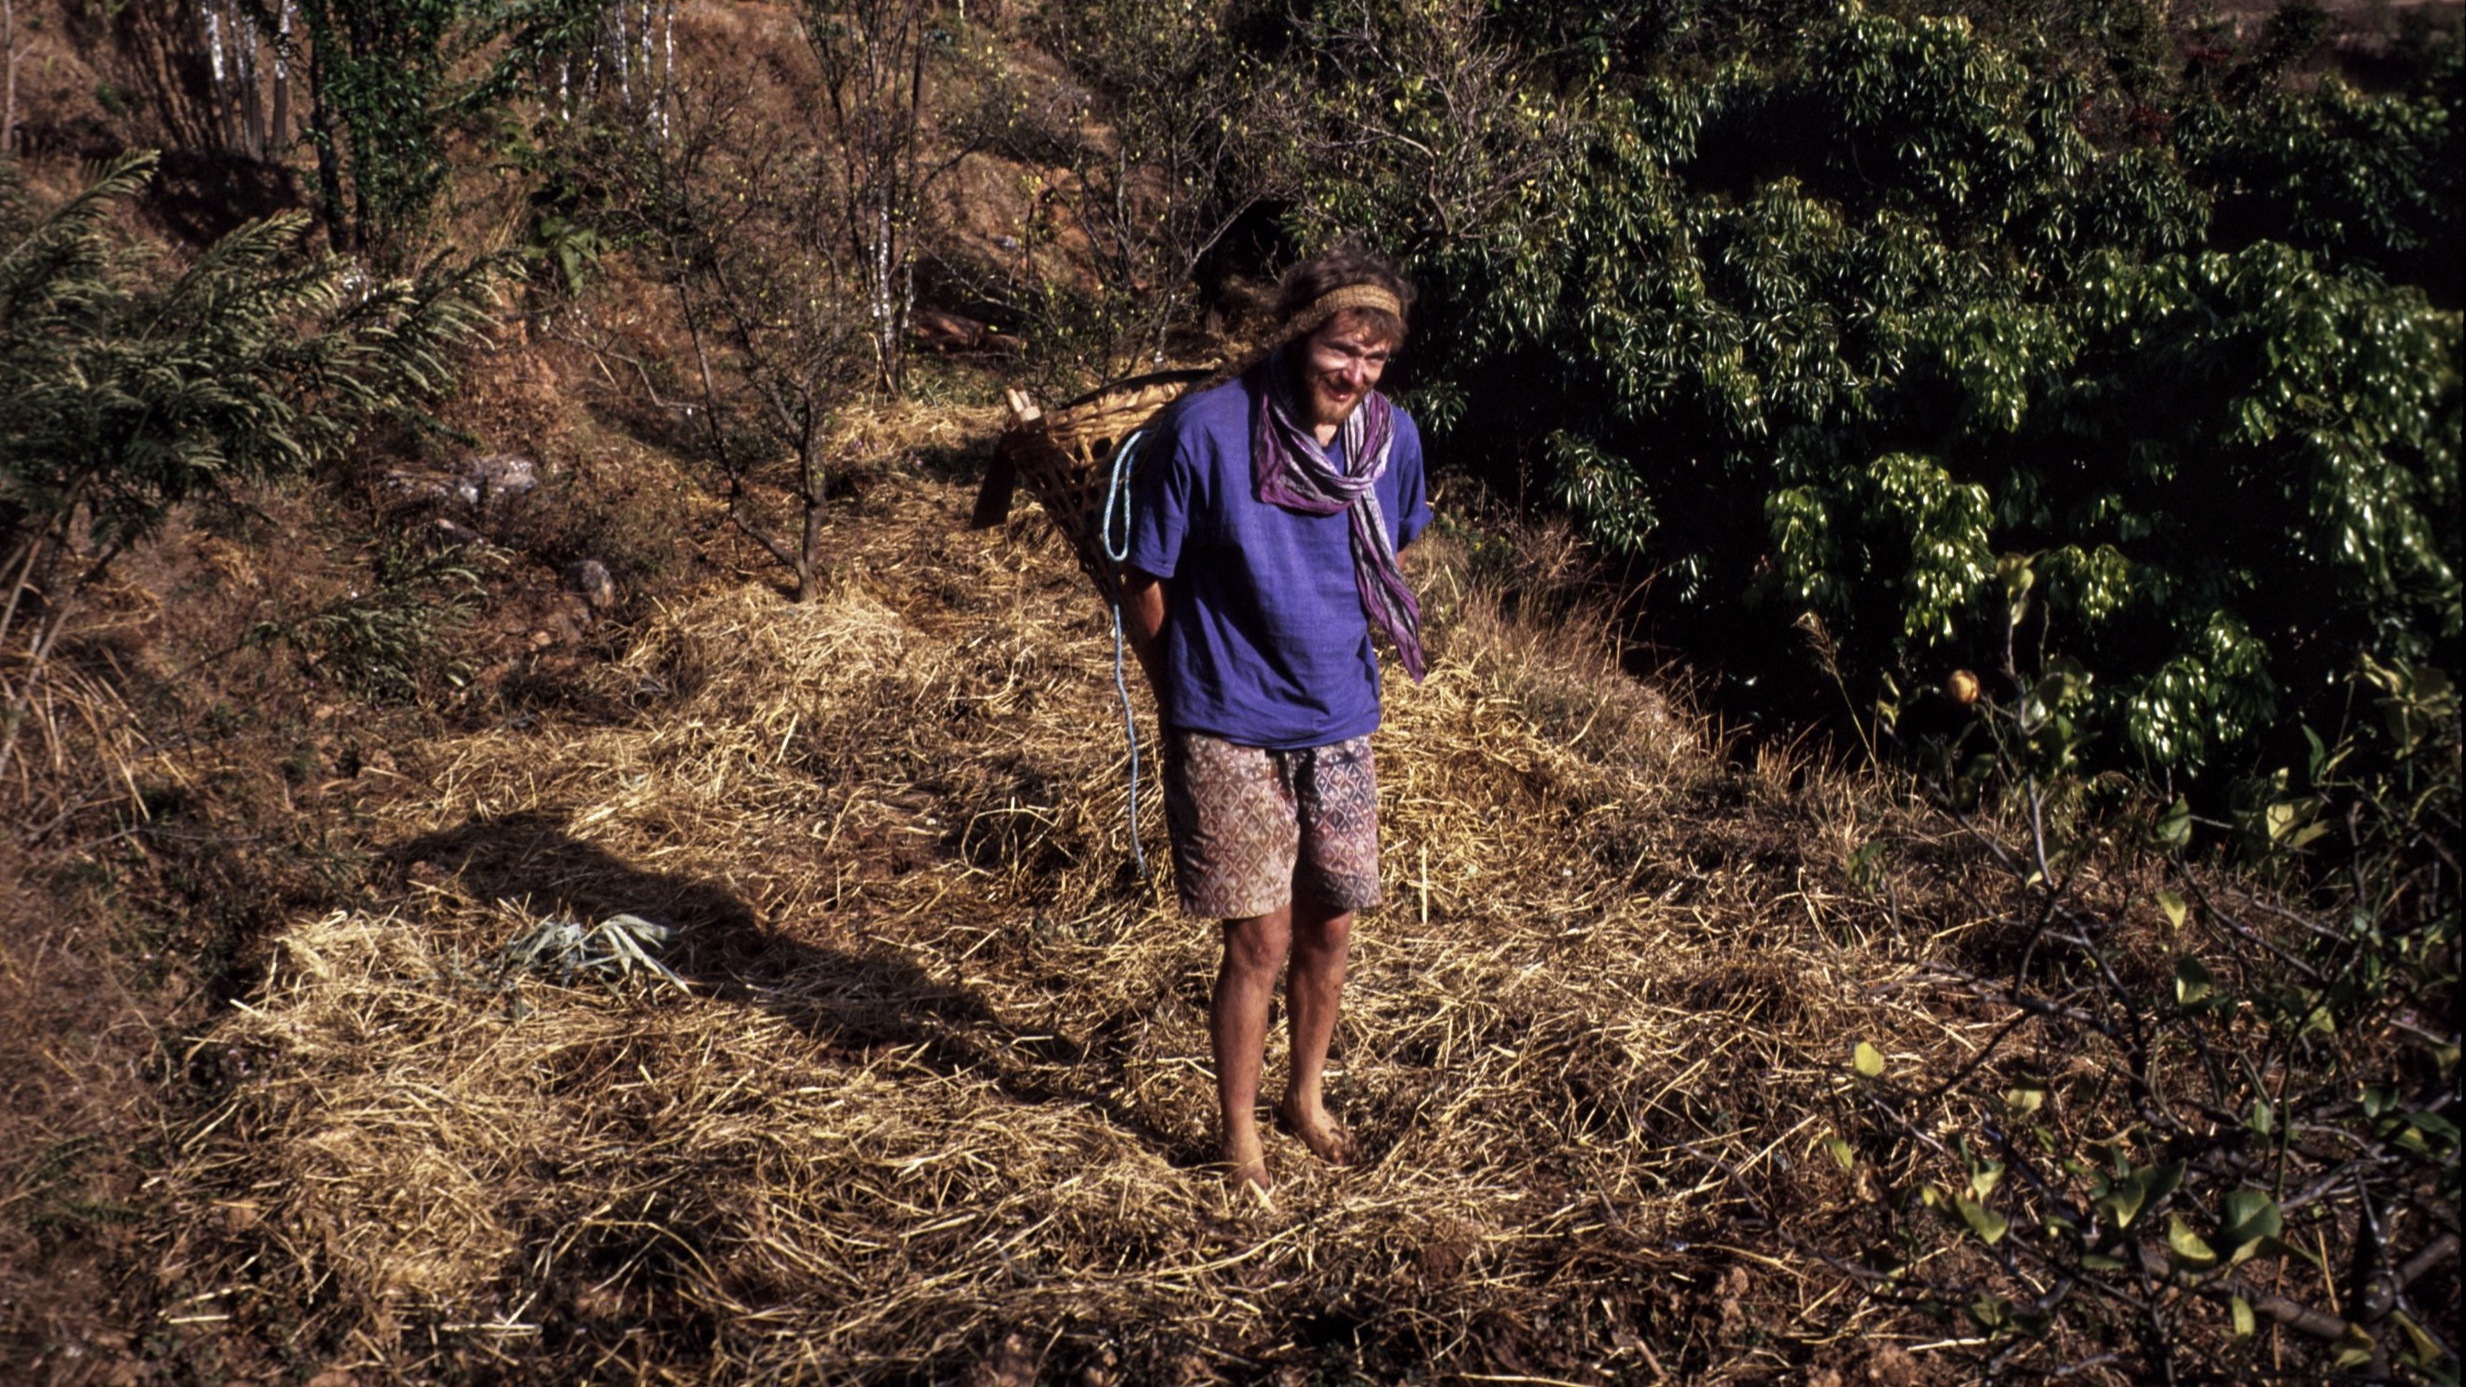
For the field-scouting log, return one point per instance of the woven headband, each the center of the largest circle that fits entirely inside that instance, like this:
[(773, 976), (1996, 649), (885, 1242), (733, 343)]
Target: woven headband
[(1335, 301)]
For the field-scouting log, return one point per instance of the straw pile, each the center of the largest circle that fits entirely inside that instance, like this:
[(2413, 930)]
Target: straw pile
[(938, 1100)]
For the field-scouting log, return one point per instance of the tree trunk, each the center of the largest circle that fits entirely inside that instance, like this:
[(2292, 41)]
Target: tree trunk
[(813, 493), (8, 56), (279, 134), (329, 160)]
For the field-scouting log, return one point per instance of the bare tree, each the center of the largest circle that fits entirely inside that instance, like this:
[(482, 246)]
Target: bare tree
[(1417, 106), (873, 56), (1178, 141), (776, 318)]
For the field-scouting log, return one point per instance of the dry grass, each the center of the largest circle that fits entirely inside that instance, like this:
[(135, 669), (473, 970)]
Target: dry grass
[(942, 1078)]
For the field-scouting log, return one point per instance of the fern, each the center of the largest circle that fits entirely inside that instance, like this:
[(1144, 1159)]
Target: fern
[(127, 389)]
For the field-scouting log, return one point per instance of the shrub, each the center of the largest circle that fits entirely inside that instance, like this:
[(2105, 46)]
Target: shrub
[(127, 389), (1871, 326)]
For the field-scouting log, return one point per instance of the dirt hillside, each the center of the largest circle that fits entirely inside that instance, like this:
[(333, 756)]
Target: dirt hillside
[(932, 1095)]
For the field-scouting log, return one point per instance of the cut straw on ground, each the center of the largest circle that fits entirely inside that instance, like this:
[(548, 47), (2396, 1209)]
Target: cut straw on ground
[(940, 1074)]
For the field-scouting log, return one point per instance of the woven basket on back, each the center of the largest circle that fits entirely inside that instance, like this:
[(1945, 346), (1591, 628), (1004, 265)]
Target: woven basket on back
[(1066, 458)]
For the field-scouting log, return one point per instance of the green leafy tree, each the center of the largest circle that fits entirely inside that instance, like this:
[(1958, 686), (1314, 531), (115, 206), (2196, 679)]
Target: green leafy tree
[(379, 75), (2363, 180), (1872, 327), (128, 387)]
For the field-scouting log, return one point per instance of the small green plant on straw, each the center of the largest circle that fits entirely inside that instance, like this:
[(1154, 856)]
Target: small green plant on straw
[(618, 947)]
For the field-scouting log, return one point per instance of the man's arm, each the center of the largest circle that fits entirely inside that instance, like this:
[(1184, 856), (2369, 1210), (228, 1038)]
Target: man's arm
[(1412, 483), (1143, 620)]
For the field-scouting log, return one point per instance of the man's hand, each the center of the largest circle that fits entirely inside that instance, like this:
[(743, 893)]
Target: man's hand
[(1143, 619)]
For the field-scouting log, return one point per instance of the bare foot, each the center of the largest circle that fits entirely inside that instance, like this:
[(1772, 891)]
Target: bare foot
[(1323, 1134), (1245, 1162)]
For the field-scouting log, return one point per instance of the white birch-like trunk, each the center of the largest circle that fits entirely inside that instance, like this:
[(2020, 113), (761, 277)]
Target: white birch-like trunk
[(645, 40), (8, 57), (281, 122), (219, 124), (245, 72), (667, 65), (623, 51)]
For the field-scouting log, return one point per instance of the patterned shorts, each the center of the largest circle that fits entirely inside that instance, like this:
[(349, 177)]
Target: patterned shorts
[(1250, 827)]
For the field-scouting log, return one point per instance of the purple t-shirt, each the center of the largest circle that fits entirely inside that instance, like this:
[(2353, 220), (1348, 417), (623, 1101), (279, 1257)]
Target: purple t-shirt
[(1265, 640)]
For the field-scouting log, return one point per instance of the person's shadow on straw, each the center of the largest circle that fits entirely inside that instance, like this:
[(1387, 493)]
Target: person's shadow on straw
[(853, 1000)]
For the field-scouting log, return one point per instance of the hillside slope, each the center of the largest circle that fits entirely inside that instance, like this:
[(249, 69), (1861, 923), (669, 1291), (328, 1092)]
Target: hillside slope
[(939, 1077)]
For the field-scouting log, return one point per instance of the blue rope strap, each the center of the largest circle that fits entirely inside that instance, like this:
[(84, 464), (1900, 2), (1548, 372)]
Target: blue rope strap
[(1117, 503)]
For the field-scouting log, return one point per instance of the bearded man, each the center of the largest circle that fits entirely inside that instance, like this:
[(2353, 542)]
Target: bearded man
[(1266, 520)]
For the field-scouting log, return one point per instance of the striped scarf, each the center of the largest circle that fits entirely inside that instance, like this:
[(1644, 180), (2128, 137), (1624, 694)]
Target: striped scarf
[(1291, 470)]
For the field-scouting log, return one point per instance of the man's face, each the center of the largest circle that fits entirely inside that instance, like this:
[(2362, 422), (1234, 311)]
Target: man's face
[(1340, 364)]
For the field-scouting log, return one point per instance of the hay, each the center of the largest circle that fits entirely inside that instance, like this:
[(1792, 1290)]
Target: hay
[(941, 1075)]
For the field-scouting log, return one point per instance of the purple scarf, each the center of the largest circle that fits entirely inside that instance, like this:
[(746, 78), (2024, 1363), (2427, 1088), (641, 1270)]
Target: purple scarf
[(1291, 470)]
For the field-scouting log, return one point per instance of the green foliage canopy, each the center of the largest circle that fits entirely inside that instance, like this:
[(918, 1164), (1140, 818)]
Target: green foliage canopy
[(1872, 327), (126, 389)]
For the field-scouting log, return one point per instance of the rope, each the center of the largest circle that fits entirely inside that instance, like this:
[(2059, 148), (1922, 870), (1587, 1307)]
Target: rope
[(1117, 501)]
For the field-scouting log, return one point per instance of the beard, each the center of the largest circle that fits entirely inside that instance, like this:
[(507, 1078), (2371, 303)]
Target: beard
[(1328, 403)]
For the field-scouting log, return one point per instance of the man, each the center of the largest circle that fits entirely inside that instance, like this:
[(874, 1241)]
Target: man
[(1266, 520)]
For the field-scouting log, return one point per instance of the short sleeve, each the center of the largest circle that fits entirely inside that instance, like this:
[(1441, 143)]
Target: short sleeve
[(1160, 492), (1412, 487)]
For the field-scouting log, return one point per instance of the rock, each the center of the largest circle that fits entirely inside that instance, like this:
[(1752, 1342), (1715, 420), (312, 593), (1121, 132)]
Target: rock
[(954, 332), (447, 532), (485, 479), (945, 332), (1011, 1364), (590, 578), (414, 489)]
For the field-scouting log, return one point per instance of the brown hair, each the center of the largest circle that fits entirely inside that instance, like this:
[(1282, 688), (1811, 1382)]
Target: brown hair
[(1345, 267)]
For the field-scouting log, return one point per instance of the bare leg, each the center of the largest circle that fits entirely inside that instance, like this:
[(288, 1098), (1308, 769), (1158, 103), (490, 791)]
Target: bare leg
[(1322, 940), (1254, 953)]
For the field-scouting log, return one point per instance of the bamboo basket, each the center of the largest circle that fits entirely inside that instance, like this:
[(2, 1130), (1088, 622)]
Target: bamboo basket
[(1066, 458)]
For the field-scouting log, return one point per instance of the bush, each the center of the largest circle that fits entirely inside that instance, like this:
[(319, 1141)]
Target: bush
[(127, 388), (1871, 326), (2209, 1133)]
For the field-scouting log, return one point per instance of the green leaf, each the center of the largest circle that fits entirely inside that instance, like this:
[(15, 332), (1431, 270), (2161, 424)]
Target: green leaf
[(2245, 1323), (2174, 827), (2354, 1348), (1990, 1313), (2433, 1124), (2125, 1200), (2284, 817), (2099, 1261), (1989, 1225), (2186, 1247), (1983, 1180), (2250, 1217), (2419, 1345), (1867, 1060), (2194, 983), (1841, 1153), (2023, 1101), (2172, 902)]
